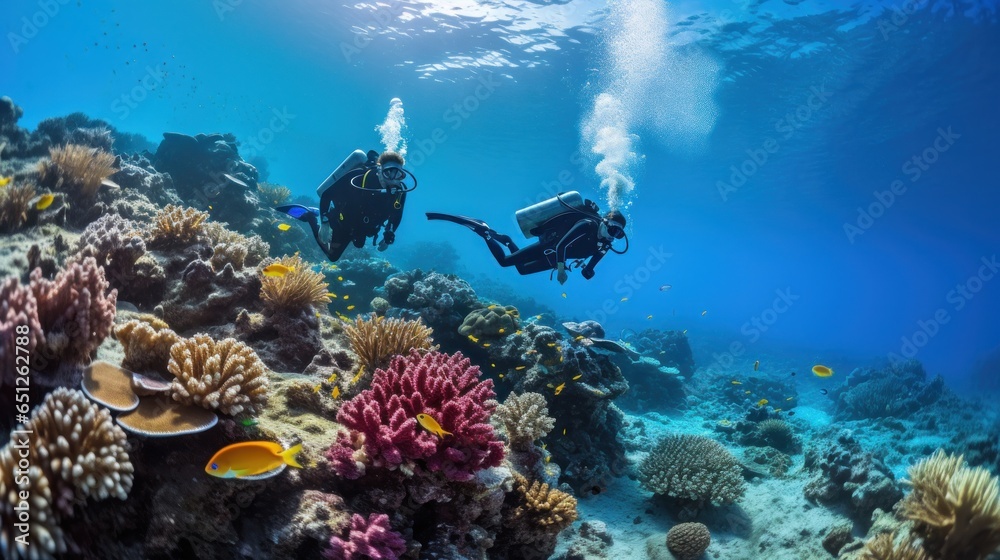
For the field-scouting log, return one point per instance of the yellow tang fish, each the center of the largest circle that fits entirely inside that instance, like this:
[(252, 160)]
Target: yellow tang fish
[(4, 181), (340, 278), (822, 371), (350, 307), (579, 337), (357, 376), (501, 376), (735, 382), (473, 339), (277, 270), (346, 297), (756, 365), (564, 431), (317, 388), (501, 331), (331, 295), (45, 201), (560, 387), (577, 377), (491, 306), (428, 423), (761, 402), (335, 393), (284, 227), (519, 368), (332, 377), (252, 460), (486, 345)]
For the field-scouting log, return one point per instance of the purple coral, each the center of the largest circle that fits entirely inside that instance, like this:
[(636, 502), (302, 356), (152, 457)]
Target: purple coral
[(75, 310), (19, 327), (383, 419), (370, 538)]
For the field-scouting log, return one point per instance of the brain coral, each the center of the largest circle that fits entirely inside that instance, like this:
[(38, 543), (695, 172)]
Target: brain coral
[(688, 541), (693, 468), (490, 321)]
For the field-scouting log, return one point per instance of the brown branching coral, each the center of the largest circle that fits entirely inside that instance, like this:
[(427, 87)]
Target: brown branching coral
[(533, 516), (77, 168), (273, 195), (79, 454), (227, 376), (956, 509), (693, 468), (550, 509), (230, 247), (15, 202), (524, 419), (884, 547), (176, 225), (147, 347), (376, 339), (297, 289)]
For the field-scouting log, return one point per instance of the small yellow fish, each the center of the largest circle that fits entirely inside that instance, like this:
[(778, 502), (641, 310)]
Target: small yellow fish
[(210, 207), (4, 181), (350, 307), (252, 460), (501, 376), (564, 431), (624, 299), (332, 377), (346, 297), (501, 331), (735, 382), (486, 345), (45, 201), (580, 337), (284, 227), (357, 376), (548, 458), (560, 387), (519, 331), (340, 278), (724, 422), (703, 313), (491, 306), (277, 270), (331, 295), (577, 377), (473, 339), (342, 216), (335, 393), (746, 392), (551, 345), (493, 365), (761, 402), (431, 425), (649, 317), (317, 388), (519, 368), (789, 398), (564, 294), (538, 317), (544, 445), (318, 315), (822, 371)]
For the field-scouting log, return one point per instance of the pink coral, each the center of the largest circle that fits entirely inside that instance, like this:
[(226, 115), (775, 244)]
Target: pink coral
[(383, 424), (75, 310), (19, 327), (368, 539)]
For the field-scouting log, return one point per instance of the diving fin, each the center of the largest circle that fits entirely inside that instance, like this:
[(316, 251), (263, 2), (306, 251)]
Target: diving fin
[(299, 212), (475, 225)]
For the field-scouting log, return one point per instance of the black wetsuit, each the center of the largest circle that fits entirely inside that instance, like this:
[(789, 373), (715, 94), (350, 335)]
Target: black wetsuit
[(354, 214), (570, 235)]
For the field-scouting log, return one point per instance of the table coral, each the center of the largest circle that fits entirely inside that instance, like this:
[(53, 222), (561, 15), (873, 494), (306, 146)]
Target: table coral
[(383, 429), (226, 376)]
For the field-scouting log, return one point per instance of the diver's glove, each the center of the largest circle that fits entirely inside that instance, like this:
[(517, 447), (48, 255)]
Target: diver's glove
[(561, 276), (387, 238)]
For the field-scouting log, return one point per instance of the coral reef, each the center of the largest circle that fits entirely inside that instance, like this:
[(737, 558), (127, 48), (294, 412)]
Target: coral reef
[(15, 205), (534, 515), (147, 346), (899, 390), (226, 376), (236, 249), (443, 301), (117, 245), (524, 419), (490, 322), (77, 170), (176, 226), (884, 547), (367, 538), (847, 475), (693, 469), (273, 195), (688, 541), (383, 428), (772, 432), (299, 288), (79, 454), (670, 348), (376, 340)]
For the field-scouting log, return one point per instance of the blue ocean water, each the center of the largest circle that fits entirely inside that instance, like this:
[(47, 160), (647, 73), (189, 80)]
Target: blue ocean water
[(765, 140)]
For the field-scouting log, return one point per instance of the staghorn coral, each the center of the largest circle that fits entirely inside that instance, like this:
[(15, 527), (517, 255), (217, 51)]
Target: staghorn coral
[(524, 418), (176, 225), (230, 247), (383, 430), (956, 509), (147, 345), (688, 541), (15, 203), (370, 538), (533, 516), (226, 376), (273, 195), (298, 289), (79, 454), (492, 321), (77, 169), (75, 310), (376, 339), (693, 468)]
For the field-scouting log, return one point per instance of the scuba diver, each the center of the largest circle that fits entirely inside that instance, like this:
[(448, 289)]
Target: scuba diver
[(567, 227), (365, 194)]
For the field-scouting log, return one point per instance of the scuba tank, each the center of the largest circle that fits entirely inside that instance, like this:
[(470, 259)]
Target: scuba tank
[(535, 215), (353, 161)]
